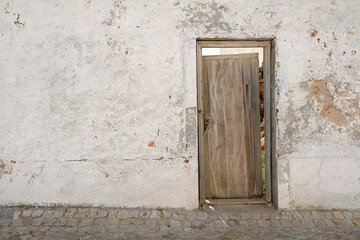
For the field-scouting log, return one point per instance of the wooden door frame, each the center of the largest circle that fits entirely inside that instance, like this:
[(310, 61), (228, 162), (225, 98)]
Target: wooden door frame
[(269, 113)]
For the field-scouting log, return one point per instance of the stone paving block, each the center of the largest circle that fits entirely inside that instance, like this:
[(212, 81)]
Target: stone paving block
[(307, 223), (144, 214), (243, 223), (320, 223), (113, 213), (307, 215), (274, 215), (155, 214), (348, 215), (150, 223), (327, 214), (92, 213), (124, 222), (339, 222), (60, 222), (348, 223), (329, 223), (255, 216), (356, 214), (27, 213), (225, 216), (197, 223), (81, 212), (17, 214), (5, 222), (58, 213), (167, 213), (338, 215), (275, 223), (220, 224), (177, 215), (37, 221), (49, 221), (47, 213), (213, 216), (137, 221), (162, 222), (186, 224), (85, 228), (133, 214), (357, 222), (113, 221), (72, 222), (317, 215), (101, 213), (265, 216), (191, 215), (70, 212), (232, 222), (123, 214), (175, 223), (202, 216), (26, 236), (37, 213), (84, 222), (264, 223), (209, 223), (286, 223)]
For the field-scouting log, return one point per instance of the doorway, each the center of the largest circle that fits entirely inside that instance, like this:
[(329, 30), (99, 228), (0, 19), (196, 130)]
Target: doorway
[(230, 150)]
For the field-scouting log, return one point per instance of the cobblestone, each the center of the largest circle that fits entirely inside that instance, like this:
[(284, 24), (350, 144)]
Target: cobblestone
[(244, 222)]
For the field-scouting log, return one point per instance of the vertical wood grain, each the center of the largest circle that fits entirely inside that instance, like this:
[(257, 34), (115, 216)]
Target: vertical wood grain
[(232, 167)]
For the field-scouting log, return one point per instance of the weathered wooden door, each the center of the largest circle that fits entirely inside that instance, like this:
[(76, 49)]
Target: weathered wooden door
[(231, 132)]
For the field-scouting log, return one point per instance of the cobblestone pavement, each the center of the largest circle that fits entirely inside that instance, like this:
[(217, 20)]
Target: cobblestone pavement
[(232, 222)]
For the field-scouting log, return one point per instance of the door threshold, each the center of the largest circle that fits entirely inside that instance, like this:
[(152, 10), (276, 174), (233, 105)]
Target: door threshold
[(242, 201)]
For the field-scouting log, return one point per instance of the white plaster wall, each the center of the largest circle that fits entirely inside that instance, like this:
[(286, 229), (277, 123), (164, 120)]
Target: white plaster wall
[(98, 99)]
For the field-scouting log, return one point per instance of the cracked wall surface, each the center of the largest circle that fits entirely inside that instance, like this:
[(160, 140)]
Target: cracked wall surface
[(98, 103)]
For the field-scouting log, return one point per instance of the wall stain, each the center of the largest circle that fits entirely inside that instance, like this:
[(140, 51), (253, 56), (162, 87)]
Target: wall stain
[(207, 15), (334, 102), (5, 167)]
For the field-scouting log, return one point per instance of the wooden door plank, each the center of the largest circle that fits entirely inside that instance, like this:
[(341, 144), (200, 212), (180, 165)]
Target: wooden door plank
[(230, 154)]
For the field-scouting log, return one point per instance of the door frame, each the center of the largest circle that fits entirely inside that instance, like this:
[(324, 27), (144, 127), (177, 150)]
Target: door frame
[(269, 114)]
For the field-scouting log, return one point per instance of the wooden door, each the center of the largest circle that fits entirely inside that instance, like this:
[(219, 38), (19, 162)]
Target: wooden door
[(231, 136)]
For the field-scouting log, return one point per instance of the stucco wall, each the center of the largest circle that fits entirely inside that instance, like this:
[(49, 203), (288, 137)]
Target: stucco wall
[(98, 99)]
